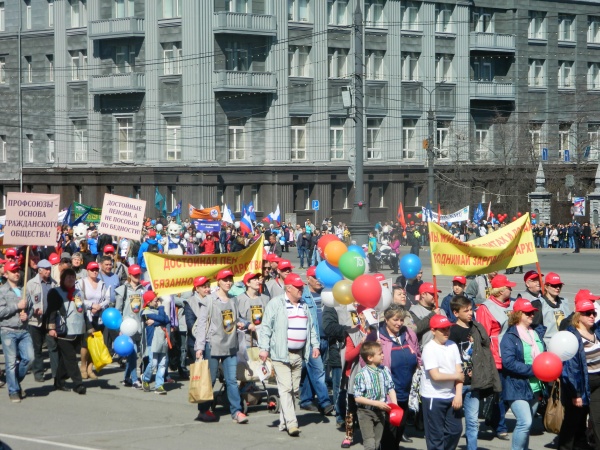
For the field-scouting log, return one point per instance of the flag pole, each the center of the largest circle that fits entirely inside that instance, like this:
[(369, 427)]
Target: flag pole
[(539, 271), (435, 289)]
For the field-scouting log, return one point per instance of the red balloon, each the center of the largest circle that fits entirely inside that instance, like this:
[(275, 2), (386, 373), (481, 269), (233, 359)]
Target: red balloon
[(514, 218), (323, 241), (519, 214), (366, 290), (412, 222), (409, 215), (533, 215), (547, 367)]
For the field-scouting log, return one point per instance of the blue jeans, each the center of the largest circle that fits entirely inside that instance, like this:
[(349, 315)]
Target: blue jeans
[(502, 428), (303, 254), (571, 242), (18, 354), (229, 364), (524, 411), (314, 383), (316, 257), (471, 407), (336, 378), (131, 365), (158, 360)]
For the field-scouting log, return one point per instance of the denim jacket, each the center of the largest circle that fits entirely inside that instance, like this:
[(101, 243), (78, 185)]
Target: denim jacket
[(312, 308), (574, 379)]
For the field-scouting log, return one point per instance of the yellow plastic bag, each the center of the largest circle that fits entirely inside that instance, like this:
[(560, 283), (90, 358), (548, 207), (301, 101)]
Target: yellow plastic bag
[(98, 351)]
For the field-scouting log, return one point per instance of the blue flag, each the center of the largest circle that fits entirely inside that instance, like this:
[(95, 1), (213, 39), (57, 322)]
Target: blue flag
[(160, 203), (251, 211), (67, 218), (478, 214), (177, 211), (81, 218)]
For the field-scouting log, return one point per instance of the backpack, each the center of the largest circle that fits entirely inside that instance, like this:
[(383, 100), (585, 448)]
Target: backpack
[(153, 248), (135, 248)]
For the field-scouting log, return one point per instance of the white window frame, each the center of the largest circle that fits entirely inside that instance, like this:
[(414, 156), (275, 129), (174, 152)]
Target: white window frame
[(299, 11), (51, 148), (443, 18), (593, 76), (338, 12), (482, 147), (373, 139), (2, 70), (28, 23), (123, 8), (444, 98), (593, 29), (566, 78), (483, 20), (50, 13), (237, 6), (594, 140), (443, 67), (338, 62), (3, 148), (78, 65), (346, 203), (80, 137), (237, 198), (535, 134), (255, 195), (565, 139), (410, 16), (124, 59), (2, 17), (375, 64), (537, 73), (172, 56), (307, 204), (78, 13), (566, 27), (442, 139), (410, 66), (299, 138), (28, 78), (29, 147), (173, 138), (381, 195), (537, 25), (299, 60), (336, 138), (409, 139), (125, 147), (50, 61), (237, 141), (375, 13), (171, 9)]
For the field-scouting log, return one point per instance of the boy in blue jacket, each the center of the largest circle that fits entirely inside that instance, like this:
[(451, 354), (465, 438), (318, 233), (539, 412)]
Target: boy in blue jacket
[(155, 320)]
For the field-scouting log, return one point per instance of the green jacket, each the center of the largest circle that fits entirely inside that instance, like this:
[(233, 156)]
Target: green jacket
[(273, 337)]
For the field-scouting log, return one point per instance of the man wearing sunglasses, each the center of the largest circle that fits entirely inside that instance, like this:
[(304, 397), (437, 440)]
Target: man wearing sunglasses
[(554, 308), (533, 293)]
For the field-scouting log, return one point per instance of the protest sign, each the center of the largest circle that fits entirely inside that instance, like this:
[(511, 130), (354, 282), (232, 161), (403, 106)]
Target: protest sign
[(79, 209), (172, 274), (462, 215), (122, 216), (509, 246), (207, 226), (31, 219), (212, 213)]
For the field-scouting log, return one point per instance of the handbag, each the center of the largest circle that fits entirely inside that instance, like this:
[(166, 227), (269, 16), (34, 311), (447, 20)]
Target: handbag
[(201, 388), (414, 397), (98, 351), (555, 411), (252, 368)]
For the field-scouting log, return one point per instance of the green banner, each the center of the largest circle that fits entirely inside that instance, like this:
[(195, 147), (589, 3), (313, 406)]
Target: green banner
[(93, 216)]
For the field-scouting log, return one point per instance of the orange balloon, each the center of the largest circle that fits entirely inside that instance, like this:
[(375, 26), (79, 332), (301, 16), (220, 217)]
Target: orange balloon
[(334, 251)]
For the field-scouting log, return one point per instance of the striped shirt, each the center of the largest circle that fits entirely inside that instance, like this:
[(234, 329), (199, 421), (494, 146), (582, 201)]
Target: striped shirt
[(297, 325), (592, 354), (373, 383)]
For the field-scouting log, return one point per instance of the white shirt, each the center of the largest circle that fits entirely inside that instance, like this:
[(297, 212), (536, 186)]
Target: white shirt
[(444, 358)]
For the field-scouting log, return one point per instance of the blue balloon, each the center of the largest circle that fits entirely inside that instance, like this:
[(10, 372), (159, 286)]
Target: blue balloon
[(410, 266), (111, 317), (123, 346), (358, 249), (328, 275), (153, 222), (533, 221)]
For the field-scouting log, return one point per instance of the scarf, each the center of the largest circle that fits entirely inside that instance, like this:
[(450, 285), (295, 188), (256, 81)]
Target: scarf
[(70, 293), (527, 336)]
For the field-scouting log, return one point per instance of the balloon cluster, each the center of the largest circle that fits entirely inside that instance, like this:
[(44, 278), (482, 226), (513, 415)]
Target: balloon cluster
[(113, 320), (548, 366), (342, 273)]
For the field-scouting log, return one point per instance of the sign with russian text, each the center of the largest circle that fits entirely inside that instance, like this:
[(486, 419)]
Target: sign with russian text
[(31, 219), (462, 215), (207, 226), (510, 246), (122, 216), (172, 274)]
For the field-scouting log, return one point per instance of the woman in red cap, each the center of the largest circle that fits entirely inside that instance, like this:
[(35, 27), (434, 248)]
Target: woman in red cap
[(580, 380)]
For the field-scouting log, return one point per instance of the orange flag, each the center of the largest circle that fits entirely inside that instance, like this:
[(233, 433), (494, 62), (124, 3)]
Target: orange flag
[(212, 213), (401, 219)]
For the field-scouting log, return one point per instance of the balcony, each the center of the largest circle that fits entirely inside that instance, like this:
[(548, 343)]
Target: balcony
[(238, 23), (121, 83), (116, 28), (488, 90), (492, 42), (228, 81)]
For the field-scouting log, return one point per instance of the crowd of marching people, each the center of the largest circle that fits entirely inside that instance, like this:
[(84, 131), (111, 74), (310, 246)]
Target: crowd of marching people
[(470, 357)]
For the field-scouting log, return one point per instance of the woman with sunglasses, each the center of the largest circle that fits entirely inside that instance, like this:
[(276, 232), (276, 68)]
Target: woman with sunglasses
[(580, 380), (554, 307), (520, 388)]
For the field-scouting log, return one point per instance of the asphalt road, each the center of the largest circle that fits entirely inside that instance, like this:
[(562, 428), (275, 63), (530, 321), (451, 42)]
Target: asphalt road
[(113, 417)]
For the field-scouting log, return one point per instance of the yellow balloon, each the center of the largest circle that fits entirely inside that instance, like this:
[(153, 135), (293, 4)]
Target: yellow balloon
[(334, 251), (342, 292)]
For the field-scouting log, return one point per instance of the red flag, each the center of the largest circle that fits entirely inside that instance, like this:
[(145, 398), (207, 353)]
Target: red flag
[(401, 219), (489, 211), (439, 214)]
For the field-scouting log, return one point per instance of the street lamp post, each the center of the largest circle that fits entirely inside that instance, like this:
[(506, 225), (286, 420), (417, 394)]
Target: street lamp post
[(430, 147)]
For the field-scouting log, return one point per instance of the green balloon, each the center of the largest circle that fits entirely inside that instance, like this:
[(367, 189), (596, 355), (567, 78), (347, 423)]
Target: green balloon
[(352, 265)]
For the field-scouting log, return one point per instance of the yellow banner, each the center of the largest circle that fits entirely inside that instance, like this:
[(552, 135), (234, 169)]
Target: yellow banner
[(510, 246), (172, 274)]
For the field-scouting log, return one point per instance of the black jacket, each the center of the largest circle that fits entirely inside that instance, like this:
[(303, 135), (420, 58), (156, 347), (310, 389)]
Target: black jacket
[(336, 335)]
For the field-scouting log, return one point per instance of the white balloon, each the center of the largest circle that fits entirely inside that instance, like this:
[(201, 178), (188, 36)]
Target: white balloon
[(564, 344), (385, 301), (327, 298), (237, 224), (198, 235), (129, 327), (186, 236), (159, 227)]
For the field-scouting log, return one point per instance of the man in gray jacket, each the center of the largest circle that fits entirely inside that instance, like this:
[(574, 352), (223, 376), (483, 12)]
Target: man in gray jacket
[(37, 296), (16, 340)]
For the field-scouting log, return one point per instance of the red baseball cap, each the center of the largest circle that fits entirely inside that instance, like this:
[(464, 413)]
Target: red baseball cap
[(148, 297), (584, 305), (53, 258), (427, 287), (224, 273), (381, 277), (200, 281), (134, 269), (92, 265), (311, 271), (11, 267), (285, 264), (522, 304), (109, 249), (553, 278), (11, 252), (501, 281), (532, 275), (585, 294), (438, 321), (152, 233), (272, 257), (249, 276), (461, 280), (294, 279)]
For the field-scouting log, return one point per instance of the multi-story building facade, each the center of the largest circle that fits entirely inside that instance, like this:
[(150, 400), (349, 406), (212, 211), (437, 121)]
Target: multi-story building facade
[(226, 101)]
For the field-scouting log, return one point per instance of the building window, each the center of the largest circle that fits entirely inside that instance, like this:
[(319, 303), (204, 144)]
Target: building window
[(126, 139), (483, 20), (237, 6), (345, 191), (2, 70), (336, 138), (299, 138), (410, 66), (50, 13), (409, 136), (306, 191), (482, 68), (443, 18), (171, 8), (254, 195), (537, 25), (51, 148), (373, 138), (593, 29), (299, 10), (535, 133), (374, 13), (565, 75), (593, 140), (593, 76), (338, 12), (237, 57), (124, 59), (338, 60), (50, 67), (2, 20), (565, 139), (537, 75), (80, 137), (78, 64), (445, 98), (28, 14), (237, 198), (28, 70), (124, 8), (410, 15), (3, 148), (237, 139), (30, 147), (443, 139), (172, 58), (220, 196), (78, 13), (374, 64), (299, 61), (566, 24), (443, 67), (482, 147), (173, 134)]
